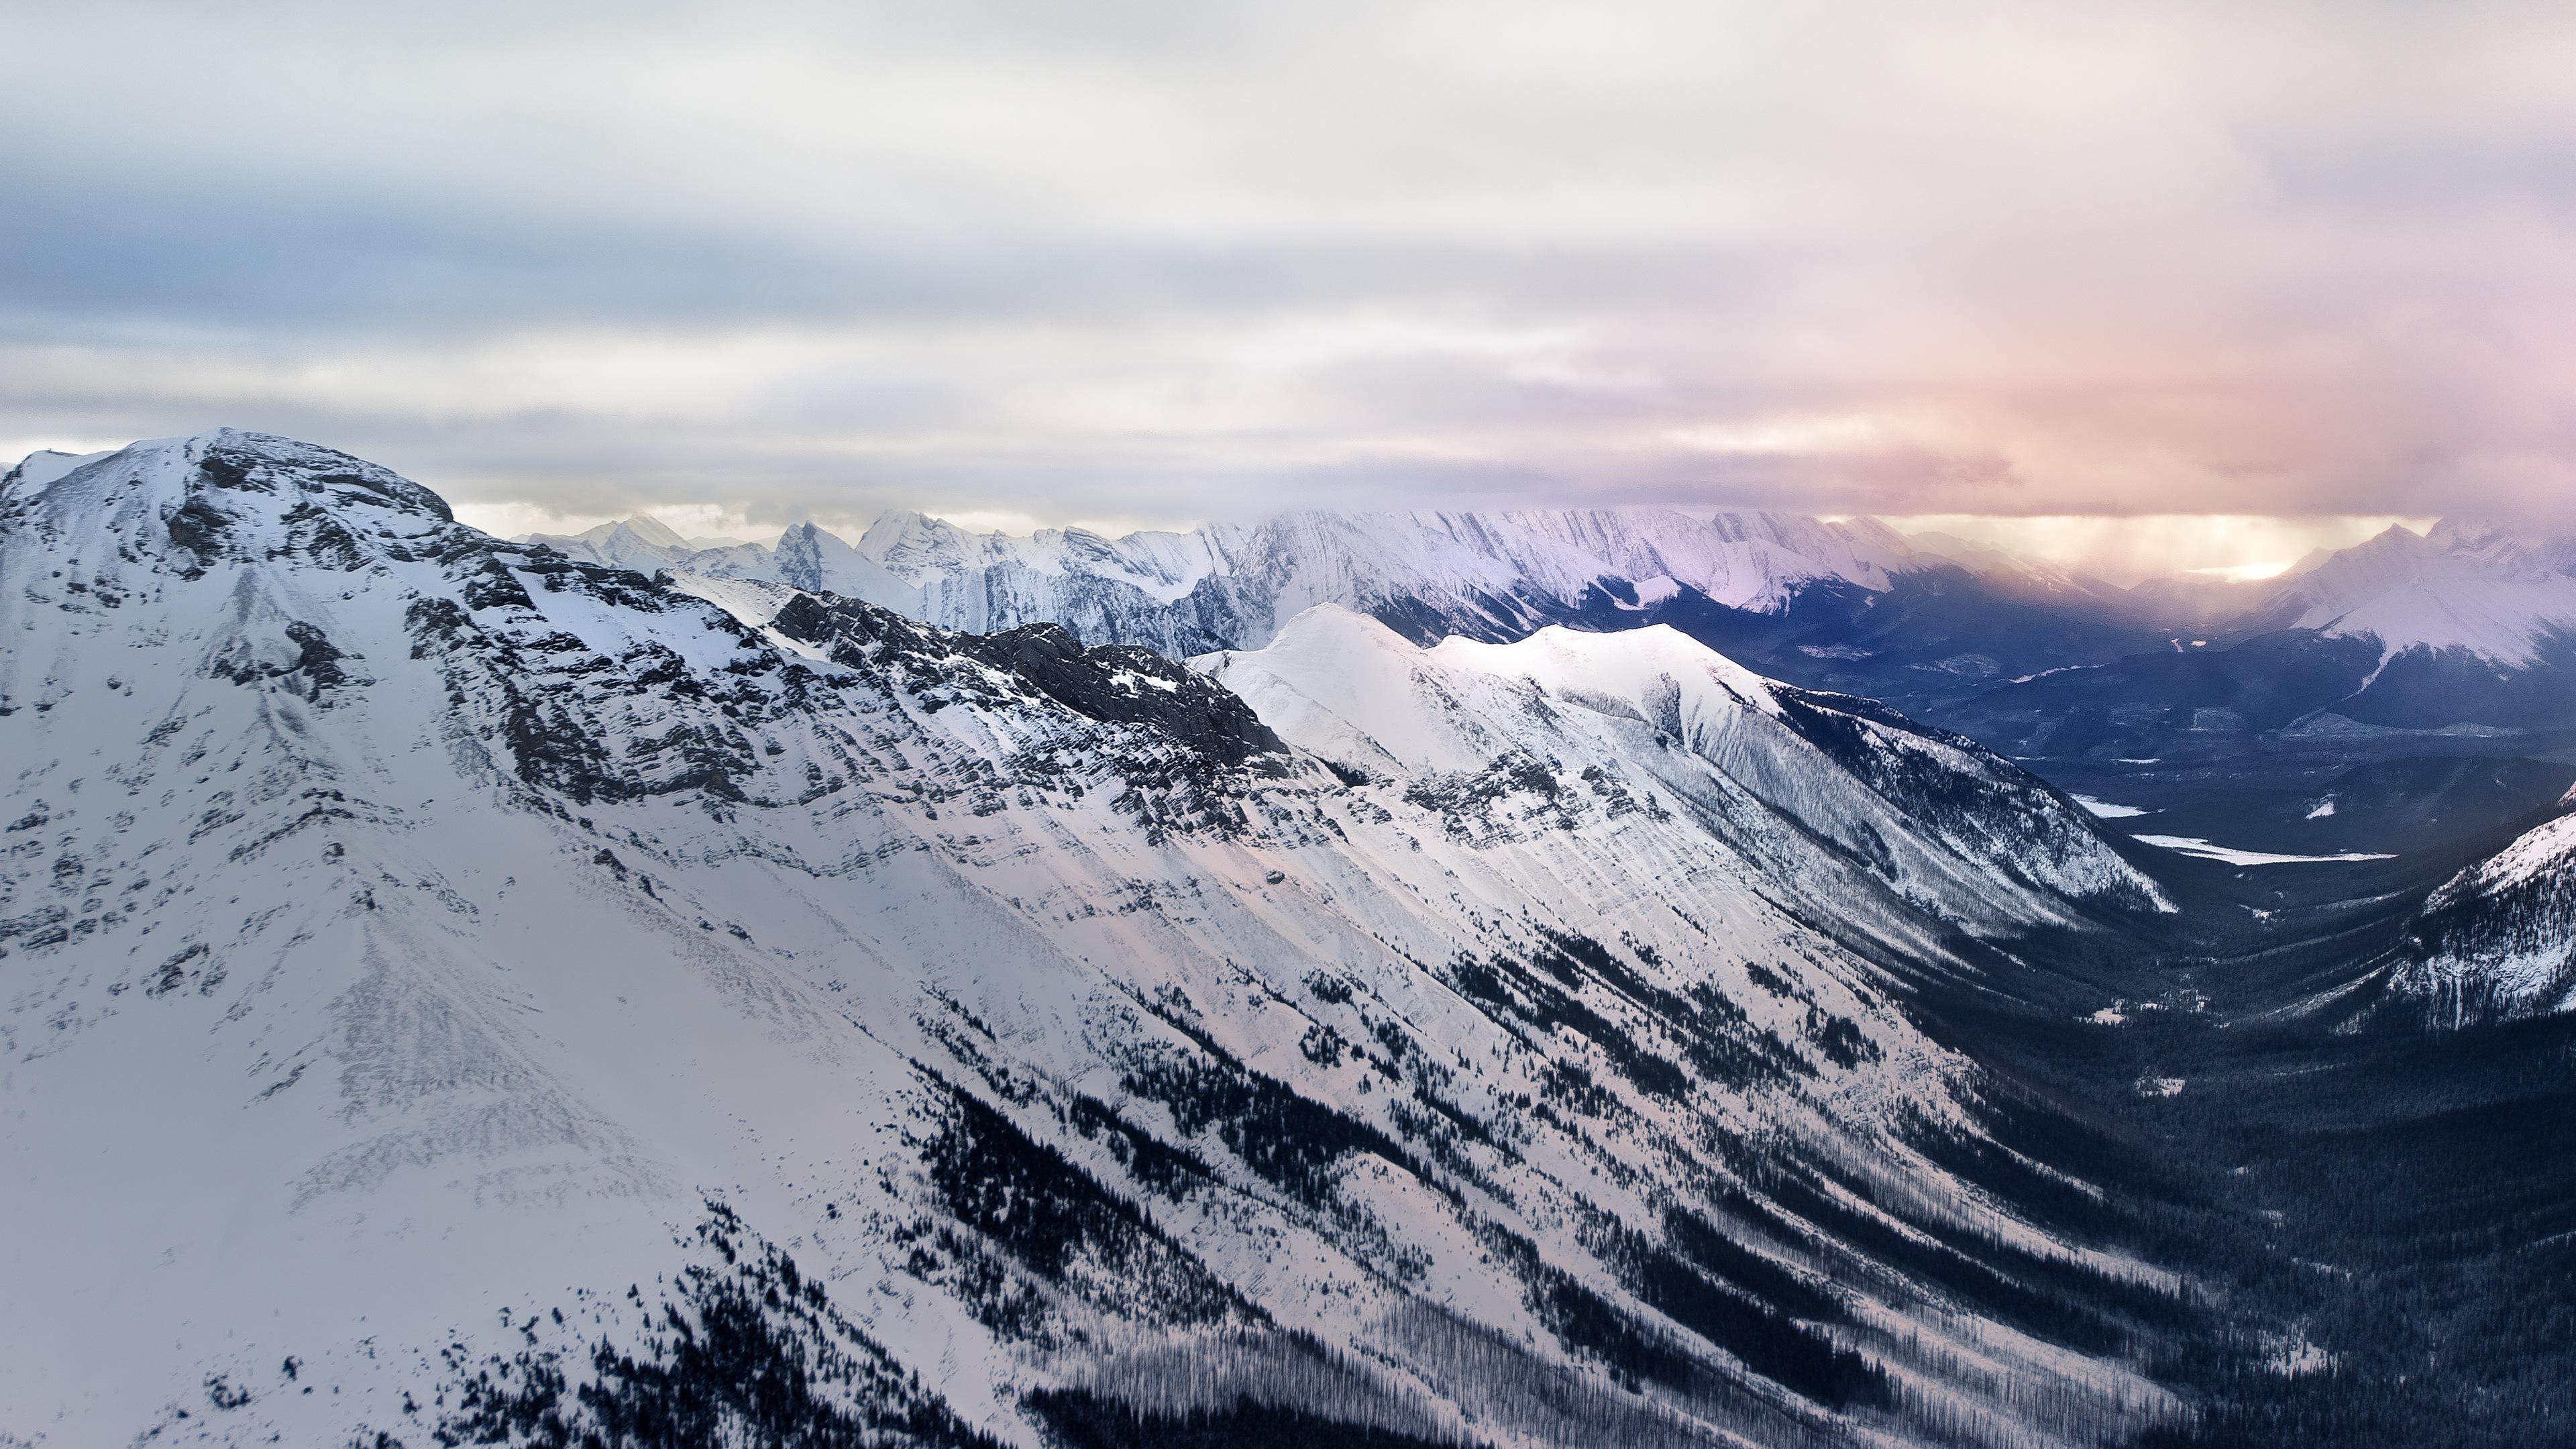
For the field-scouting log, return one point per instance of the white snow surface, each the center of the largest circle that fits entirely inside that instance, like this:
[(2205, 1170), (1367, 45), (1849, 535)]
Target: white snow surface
[(2531, 857), (2106, 810), (45, 465), (2196, 846), (407, 934)]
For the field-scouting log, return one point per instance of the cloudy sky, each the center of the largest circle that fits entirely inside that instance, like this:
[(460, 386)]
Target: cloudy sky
[(2083, 273)]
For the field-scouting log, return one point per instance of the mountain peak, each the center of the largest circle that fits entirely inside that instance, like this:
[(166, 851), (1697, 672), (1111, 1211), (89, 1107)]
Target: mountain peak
[(45, 465), (914, 546), (642, 526), (231, 495), (2466, 586)]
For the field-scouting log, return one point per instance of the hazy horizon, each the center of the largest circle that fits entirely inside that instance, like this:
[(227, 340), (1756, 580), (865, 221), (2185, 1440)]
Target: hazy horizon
[(2122, 550)]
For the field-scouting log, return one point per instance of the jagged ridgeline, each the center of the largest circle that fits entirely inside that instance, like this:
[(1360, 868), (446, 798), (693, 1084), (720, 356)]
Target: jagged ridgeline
[(458, 994)]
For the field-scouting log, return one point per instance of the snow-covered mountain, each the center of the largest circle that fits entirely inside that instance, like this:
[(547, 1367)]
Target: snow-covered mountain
[(2498, 940), (462, 994), (2475, 589), (644, 544), (1485, 575), (1771, 769)]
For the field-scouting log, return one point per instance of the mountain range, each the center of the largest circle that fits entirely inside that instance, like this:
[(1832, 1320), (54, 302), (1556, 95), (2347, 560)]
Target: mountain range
[(461, 992), (2465, 625), (1400, 980)]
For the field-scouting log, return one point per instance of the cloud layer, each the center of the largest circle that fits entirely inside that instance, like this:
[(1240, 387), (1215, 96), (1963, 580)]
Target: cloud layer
[(1158, 263)]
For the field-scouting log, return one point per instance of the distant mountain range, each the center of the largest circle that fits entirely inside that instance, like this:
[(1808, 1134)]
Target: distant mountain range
[(2467, 626), (2463, 628), (1428, 575)]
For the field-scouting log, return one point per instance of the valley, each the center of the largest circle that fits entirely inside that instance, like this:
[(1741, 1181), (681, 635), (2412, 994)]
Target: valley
[(2384, 1213)]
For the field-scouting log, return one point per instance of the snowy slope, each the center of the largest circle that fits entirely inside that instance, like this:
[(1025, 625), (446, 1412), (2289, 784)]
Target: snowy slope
[(1787, 776), (441, 972), (2498, 940)]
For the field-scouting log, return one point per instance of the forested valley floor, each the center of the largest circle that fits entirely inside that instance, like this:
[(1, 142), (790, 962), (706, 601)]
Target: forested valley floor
[(2381, 1220)]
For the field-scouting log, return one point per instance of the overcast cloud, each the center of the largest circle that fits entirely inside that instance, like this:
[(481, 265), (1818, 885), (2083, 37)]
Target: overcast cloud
[(1129, 263)]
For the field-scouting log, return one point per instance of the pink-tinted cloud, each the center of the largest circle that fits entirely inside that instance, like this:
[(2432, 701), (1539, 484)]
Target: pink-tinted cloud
[(1168, 262)]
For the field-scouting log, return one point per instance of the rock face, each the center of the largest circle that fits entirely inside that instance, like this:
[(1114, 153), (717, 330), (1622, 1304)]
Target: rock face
[(460, 993), (1115, 683)]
